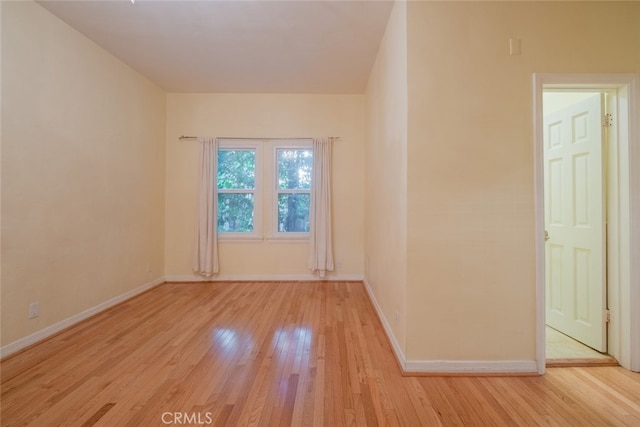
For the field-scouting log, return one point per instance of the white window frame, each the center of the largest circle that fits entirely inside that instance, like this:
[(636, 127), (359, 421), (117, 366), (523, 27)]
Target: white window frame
[(256, 146), (274, 233)]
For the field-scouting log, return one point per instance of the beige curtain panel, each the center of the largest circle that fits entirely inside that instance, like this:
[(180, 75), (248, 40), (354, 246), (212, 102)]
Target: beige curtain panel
[(320, 244), (205, 260)]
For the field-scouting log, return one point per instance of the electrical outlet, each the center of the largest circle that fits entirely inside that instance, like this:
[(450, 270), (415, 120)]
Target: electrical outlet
[(148, 268), (396, 317), (339, 265), (34, 310)]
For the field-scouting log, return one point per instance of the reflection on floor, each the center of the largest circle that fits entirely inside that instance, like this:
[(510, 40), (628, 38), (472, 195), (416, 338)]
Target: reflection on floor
[(562, 350)]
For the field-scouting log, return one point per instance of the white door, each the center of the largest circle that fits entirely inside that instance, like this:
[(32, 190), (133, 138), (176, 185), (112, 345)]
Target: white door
[(575, 222)]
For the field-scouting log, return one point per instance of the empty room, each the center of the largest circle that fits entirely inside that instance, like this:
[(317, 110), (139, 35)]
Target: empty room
[(327, 213)]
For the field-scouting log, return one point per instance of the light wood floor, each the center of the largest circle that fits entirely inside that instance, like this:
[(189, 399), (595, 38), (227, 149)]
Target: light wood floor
[(277, 354)]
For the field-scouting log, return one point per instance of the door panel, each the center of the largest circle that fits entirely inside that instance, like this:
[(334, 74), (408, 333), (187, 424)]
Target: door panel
[(574, 221)]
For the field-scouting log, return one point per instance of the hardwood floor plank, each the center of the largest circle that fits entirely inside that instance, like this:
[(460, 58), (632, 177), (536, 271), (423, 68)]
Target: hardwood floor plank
[(280, 354)]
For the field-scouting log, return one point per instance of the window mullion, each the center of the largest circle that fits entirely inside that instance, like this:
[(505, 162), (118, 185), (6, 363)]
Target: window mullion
[(293, 191), (237, 191)]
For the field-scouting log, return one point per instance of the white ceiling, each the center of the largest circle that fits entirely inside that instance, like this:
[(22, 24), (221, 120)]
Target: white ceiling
[(295, 46)]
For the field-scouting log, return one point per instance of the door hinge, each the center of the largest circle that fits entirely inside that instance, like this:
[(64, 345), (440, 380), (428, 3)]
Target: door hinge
[(607, 120), (607, 316)]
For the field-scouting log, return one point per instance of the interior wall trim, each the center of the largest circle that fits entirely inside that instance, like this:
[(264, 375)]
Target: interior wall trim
[(395, 345), (472, 367), (627, 320), (51, 330), (264, 278), (449, 367)]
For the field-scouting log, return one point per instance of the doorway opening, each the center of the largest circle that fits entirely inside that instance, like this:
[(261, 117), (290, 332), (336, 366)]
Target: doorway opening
[(587, 181), (576, 128)]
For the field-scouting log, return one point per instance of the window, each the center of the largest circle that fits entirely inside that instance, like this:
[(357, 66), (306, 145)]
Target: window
[(237, 190), (242, 198), (293, 192)]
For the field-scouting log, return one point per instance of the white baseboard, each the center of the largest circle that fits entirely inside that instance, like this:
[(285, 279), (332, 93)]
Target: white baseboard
[(470, 367), (407, 366), (264, 278), (397, 350), (70, 321)]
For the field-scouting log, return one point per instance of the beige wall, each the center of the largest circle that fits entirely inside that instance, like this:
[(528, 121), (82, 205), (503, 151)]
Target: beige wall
[(471, 255), (386, 175), (82, 173), (265, 116)]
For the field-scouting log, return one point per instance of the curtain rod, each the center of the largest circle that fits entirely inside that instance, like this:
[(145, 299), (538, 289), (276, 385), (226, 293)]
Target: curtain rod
[(183, 137)]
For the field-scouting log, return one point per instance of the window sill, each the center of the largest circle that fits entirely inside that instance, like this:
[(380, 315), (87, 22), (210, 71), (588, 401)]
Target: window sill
[(239, 239), (258, 239), (288, 239)]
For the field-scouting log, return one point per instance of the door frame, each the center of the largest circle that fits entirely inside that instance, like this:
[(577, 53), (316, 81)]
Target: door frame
[(625, 319)]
